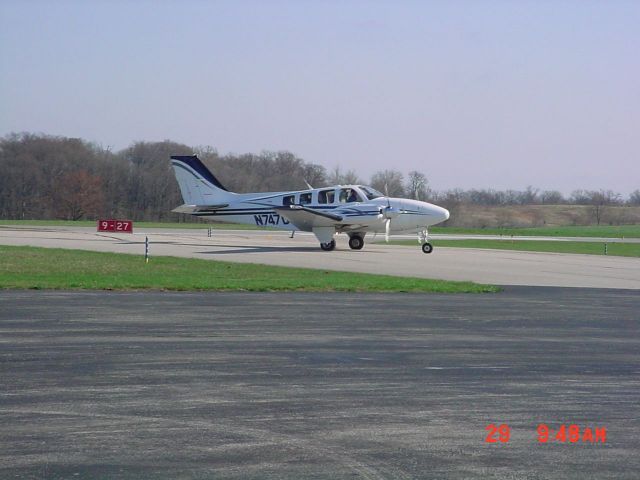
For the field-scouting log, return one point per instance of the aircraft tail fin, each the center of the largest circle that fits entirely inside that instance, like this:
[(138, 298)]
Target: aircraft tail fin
[(197, 184)]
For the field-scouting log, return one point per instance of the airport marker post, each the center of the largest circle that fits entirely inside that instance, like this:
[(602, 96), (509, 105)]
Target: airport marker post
[(146, 249), (118, 226)]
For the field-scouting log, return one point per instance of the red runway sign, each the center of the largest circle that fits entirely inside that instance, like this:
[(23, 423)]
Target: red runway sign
[(122, 226)]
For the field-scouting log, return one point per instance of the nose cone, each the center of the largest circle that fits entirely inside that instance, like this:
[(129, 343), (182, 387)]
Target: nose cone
[(431, 213), (439, 214), (445, 214)]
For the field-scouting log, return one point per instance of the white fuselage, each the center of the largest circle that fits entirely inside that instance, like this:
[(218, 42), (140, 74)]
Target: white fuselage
[(352, 209), (364, 214)]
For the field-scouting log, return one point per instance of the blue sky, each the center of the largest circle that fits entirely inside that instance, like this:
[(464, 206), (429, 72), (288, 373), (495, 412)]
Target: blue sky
[(486, 94)]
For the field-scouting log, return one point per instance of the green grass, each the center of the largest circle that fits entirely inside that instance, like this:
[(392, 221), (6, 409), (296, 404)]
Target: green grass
[(590, 248), (628, 231), (49, 268)]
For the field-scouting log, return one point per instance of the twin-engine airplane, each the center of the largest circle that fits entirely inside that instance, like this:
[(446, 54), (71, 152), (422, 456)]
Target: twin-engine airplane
[(352, 209)]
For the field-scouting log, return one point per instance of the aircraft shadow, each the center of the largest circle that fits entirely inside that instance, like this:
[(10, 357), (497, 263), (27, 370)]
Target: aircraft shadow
[(182, 244), (235, 249), (263, 249)]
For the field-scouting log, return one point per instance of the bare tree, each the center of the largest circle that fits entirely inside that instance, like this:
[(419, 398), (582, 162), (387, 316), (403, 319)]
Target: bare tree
[(634, 198), (551, 197), (598, 209), (598, 200), (390, 182), (417, 185), (314, 175), (338, 177), (580, 197), (529, 196)]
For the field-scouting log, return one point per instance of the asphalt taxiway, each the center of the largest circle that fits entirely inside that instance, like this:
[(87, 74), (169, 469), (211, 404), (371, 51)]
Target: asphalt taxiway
[(247, 385), (501, 267)]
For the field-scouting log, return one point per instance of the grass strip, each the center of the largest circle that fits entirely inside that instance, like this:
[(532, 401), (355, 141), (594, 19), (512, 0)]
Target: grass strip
[(608, 231), (53, 268), (589, 248)]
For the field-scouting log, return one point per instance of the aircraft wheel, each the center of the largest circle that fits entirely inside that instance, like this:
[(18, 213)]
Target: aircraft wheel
[(327, 247), (427, 247), (356, 242)]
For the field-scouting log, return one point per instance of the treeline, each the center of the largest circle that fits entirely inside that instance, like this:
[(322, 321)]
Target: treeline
[(46, 177), (535, 196)]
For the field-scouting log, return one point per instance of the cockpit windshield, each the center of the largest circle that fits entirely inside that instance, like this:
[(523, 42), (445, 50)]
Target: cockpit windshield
[(371, 193)]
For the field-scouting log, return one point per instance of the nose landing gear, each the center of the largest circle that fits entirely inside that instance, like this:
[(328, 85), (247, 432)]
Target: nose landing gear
[(423, 239)]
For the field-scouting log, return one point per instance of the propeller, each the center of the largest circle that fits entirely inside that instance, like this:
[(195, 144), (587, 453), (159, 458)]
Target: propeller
[(387, 228), (387, 213)]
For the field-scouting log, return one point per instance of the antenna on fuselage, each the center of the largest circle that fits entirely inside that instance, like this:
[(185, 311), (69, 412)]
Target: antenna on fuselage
[(308, 185)]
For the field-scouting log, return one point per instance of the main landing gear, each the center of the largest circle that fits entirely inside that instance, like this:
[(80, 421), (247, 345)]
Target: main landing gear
[(356, 242), (423, 240), (328, 246)]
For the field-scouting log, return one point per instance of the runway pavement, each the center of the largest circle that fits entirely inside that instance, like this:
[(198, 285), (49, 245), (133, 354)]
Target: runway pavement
[(301, 386), (498, 267)]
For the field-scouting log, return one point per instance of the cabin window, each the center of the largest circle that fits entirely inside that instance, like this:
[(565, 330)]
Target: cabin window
[(288, 200), (349, 195), (305, 198), (326, 196)]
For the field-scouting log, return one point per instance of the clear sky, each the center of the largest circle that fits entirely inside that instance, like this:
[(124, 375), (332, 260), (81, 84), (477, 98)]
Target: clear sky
[(486, 94)]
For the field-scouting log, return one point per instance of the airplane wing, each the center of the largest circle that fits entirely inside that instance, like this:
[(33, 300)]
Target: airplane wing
[(307, 219), (198, 208)]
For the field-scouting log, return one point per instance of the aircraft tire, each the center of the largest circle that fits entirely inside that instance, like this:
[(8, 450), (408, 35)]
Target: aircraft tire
[(327, 247), (356, 242), (427, 247)]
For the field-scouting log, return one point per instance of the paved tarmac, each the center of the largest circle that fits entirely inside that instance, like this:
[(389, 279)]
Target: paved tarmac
[(247, 385), (500, 267)]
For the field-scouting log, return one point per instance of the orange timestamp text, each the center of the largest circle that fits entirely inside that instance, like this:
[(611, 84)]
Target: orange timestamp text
[(563, 434)]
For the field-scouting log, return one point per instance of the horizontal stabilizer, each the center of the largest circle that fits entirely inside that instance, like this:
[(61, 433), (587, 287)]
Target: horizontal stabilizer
[(198, 208)]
